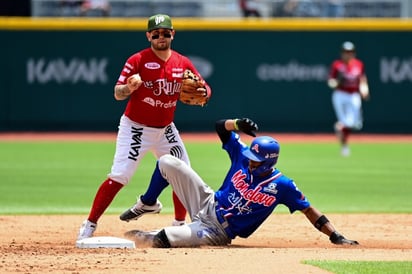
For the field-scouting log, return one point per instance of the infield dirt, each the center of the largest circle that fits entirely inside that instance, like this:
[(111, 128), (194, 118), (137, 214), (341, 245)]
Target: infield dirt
[(46, 244)]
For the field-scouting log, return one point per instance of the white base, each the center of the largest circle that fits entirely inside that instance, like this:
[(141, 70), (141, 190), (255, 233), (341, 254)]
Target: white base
[(105, 242)]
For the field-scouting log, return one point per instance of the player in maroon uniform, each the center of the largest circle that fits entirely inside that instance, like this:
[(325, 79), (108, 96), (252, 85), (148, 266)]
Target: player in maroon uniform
[(348, 80), (151, 81)]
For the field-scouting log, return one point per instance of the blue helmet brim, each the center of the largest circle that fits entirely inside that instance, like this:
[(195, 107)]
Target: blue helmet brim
[(250, 155)]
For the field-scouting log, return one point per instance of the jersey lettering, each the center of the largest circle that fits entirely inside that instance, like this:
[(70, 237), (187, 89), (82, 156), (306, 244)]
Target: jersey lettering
[(161, 104), (251, 195), (165, 87)]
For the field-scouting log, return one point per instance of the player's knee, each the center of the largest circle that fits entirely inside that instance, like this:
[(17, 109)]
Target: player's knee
[(168, 161), (120, 180), (160, 240)]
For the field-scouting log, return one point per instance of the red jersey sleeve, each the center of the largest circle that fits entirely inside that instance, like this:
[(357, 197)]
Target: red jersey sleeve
[(130, 67)]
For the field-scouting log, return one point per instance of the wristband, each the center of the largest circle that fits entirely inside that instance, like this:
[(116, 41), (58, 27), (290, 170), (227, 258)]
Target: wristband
[(235, 124)]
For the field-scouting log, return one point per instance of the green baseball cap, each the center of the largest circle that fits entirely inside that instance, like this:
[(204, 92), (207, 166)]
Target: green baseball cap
[(159, 21)]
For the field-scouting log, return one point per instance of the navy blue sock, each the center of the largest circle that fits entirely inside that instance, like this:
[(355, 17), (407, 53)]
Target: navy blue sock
[(156, 186)]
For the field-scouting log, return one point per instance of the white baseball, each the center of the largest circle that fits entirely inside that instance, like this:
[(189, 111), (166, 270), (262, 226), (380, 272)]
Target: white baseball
[(136, 76)]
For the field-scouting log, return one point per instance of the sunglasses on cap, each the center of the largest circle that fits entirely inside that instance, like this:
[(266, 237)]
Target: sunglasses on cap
[(164, 34)]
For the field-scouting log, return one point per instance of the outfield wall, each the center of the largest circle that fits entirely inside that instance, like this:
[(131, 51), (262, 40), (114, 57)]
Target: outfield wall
[(58, 74)]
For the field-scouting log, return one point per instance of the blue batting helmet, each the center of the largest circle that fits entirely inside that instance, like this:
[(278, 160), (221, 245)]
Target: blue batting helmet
[(263, 149)]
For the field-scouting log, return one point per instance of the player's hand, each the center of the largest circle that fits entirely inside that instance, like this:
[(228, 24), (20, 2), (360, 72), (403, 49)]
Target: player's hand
[(333, 83), (246, 125), (365, 97), (364, 90), (134, 82), (339, 239)]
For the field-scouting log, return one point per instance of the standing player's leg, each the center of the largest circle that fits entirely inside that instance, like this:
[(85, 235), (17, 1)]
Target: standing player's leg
[(103, 198), (356, 111), (126, 159), (165, 141), (352, 119), (341, 103)]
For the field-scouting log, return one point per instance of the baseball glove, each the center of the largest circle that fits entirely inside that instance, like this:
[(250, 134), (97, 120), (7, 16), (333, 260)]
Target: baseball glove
[(193, 90)]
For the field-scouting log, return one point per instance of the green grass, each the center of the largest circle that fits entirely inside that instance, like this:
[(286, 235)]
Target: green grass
[(62, 177), (375, 178), (364, 267)]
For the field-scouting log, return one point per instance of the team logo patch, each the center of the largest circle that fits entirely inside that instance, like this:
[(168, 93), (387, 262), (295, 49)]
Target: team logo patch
[(255, 148), (271, 188), (152, 65), (149, 101), (200, 234), (159, 19), (207, 231)]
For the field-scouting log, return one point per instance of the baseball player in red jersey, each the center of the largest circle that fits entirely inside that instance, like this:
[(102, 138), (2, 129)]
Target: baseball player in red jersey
[(151, 81), (348, 80)]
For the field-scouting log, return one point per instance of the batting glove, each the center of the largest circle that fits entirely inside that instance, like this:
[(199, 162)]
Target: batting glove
[(338, 239), (246, 125)]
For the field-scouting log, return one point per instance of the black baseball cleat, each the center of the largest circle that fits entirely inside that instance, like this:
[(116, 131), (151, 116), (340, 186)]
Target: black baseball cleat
[(139, 209), (142, 238)]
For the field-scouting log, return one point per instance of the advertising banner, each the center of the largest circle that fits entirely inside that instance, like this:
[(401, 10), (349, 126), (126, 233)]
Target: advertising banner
[(64, 79)]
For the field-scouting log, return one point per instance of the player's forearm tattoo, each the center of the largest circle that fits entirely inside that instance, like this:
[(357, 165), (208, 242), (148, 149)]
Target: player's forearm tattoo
[(122, 91)]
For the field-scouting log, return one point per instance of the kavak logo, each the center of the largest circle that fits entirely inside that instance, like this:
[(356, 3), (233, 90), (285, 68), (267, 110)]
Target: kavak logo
[(396, 69), (73, 71)]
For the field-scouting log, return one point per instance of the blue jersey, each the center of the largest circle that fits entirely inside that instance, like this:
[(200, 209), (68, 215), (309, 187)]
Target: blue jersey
[(245, 201)]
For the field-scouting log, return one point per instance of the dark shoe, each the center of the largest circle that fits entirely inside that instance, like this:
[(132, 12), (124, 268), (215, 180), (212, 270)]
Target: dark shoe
[(140, 209)]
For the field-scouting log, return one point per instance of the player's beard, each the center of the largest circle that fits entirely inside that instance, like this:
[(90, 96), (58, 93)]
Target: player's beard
[(161, 46)]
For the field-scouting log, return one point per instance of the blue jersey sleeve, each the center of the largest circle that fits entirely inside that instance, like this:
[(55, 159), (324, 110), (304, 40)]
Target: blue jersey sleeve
[(234, 146), (292, 197)]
